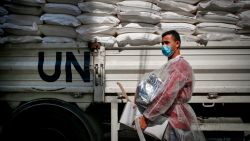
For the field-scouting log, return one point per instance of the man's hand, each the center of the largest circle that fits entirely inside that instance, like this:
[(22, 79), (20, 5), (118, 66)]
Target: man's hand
[(94, 45), (143, 122)]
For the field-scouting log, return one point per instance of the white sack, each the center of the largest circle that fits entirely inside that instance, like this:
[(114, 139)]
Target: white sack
[(216, 27), (19, 9), (57, 30), (137, 39), (182, 28), (91, 18), (176, 6), (60, 19), (129, 5), (29, 2), (217, 17), (218, 36), (51, 39), (107, 29), (220, 5), (139, 17), (3, 11), (173, 17), (136, 28), (23, 19), (188, 1), (2, 19), (21, 39), (244, 24), (56, 8), (1, 32), (104, 1), (98, 7), (64, 1), (21, 30), (105, 40), (245, 15), (189, 38)]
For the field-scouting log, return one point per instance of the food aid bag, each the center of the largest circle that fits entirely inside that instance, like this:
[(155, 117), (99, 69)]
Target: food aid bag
[(130, 116)]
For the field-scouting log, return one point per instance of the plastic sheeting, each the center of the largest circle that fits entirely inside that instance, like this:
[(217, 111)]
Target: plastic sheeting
[(171, 100)]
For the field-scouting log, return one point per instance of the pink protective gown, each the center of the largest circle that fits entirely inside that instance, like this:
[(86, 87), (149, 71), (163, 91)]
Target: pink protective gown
[(172, 102)]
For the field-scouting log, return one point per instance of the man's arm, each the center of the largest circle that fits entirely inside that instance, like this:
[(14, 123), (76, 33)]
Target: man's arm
[(163, 101)]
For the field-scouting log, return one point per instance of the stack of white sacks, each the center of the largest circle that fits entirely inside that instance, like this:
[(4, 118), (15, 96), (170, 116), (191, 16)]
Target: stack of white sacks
[(138, 23), (218, 20), (179, 15), (99, 22), (60, 21), (122, 22), (21, 25)]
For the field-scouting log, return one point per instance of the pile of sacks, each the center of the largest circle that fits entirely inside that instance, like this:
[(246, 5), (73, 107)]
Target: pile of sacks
[(122, 22)]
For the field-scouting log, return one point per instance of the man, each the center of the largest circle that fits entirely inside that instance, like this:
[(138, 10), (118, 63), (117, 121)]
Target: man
[(172, 102)]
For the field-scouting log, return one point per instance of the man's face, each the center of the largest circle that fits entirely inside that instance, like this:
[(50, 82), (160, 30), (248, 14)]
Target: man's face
[(169, 40)]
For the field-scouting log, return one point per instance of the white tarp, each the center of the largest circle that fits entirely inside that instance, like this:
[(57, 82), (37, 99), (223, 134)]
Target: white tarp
[(216, 28), (56, 8), (29, 2), (107, 29), (138, 39), (182, 28), (94, 18), (52, 39), (20, 30), (176, 6), (139, 17), (26, 10), (143, 6), (23, 19), (174, 17), (60, 19), (98, 7), (57, 30), (217, 17), (136, 28)]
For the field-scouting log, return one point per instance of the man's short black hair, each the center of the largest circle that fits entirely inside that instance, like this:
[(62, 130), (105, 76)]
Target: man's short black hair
[(174, 33)]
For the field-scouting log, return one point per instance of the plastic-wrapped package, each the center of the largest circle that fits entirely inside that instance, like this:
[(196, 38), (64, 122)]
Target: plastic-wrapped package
[(171, 100), (56, 8), (148, 87)]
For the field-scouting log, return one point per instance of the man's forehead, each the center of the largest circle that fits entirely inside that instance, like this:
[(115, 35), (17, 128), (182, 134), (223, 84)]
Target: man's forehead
[(167, 38)]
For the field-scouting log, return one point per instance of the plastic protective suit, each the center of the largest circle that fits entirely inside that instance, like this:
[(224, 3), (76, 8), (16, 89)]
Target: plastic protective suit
[(174, 90)]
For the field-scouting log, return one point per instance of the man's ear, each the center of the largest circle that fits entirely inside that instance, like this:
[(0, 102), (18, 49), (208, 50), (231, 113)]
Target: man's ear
[(178, 43)]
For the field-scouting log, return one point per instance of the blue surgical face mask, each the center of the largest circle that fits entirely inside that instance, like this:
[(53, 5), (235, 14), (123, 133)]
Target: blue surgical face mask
[(167, 50)]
